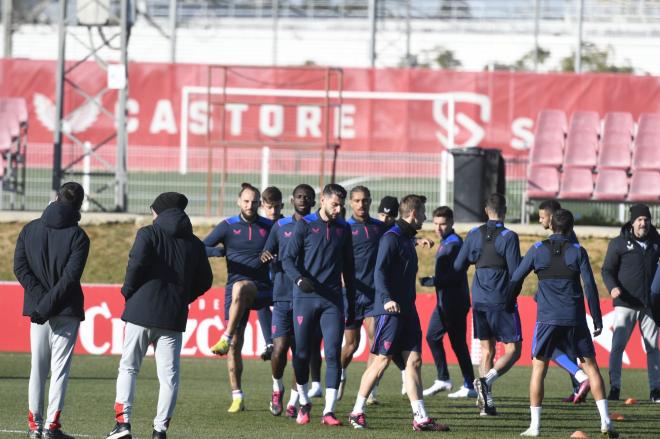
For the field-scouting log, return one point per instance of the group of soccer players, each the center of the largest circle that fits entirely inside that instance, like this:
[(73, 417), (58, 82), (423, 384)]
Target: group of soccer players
[(326, 276)]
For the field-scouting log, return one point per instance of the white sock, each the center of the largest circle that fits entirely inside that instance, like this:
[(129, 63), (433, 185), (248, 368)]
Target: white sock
[(316, 385), (236, 394), (580, 376), (277, 385), (302, 393), (330, 400), (360, 402), (535, 424), (293, 399), (418, 410), (343, 375), (491, 376), (603, 412), (227, 337)]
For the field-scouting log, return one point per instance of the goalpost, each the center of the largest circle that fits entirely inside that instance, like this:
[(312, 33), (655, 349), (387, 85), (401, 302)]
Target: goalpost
[(270, 108)]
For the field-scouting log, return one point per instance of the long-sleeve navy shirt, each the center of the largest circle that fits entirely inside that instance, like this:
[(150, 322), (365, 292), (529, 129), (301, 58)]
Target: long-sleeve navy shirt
[(366, 236), (243, 243), (278, 240), (489, 285), (451, 286), (396, 270), (561, 301), (322, 252)]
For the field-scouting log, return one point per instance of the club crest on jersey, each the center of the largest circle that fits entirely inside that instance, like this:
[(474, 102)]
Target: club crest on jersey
[(273, 329), (236, 231), (262, 232), (355, 232), (316, 229), (387, 345), (300, 320), (288, 234)]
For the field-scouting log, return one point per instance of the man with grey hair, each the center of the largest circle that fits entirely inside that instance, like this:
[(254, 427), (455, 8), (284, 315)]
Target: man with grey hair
[(628, 270)]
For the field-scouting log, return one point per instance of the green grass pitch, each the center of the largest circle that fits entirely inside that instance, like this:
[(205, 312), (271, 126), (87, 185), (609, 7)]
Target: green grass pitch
[(204, 397)]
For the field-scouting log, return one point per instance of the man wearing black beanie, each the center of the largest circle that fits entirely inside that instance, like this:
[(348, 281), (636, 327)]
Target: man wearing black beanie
[(628, 270)]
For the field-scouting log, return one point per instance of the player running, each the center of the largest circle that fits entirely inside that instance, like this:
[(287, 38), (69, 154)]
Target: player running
[(560, 322), (319, 254), (248, 283), (282, 324)]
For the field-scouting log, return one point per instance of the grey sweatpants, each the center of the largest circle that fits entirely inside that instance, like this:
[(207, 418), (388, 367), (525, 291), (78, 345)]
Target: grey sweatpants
[(167, 348), (51, 345), (624, 323)]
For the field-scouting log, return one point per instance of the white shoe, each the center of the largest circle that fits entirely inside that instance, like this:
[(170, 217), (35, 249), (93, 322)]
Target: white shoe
[(403, 383), (530, 432), (315, 392), (437, 387), (463, 392)]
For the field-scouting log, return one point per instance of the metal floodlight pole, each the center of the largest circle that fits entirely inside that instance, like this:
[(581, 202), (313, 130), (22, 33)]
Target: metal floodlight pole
[(121, 177), (173, 21), (408, 34), (276, 13), (537, 19), (578, 50), (373, 6), (59, 98), (7, 13)]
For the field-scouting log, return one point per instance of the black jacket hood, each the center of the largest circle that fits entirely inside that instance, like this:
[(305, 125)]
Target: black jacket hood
[(174, 222), (60, 215)]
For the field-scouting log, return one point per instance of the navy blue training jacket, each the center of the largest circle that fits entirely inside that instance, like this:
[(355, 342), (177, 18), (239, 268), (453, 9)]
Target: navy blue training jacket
[(451, 286), (278, 240), (366, 237)]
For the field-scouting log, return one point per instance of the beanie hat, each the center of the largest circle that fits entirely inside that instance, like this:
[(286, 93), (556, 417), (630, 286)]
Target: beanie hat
[(638, 210), (389, 206), (169, 200)]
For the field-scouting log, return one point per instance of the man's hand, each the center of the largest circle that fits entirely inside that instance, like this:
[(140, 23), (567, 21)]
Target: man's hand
[(616, 292), (37, 318), (306, 285), (266, 257), (392, 307), (597, 331), (426, 281), (424, 242)]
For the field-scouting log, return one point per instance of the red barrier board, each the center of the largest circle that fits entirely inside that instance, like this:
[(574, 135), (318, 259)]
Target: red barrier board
[(102, 331), (404, 110)]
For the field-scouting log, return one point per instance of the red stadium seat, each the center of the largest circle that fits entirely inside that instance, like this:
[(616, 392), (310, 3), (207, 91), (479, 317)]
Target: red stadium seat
[(611, 185), (648, 123), (576, 184), (618, 122), (645, 186), (585, 121), (615, 151), (646, 153), (549, 135), (542, 182), (581, 149)]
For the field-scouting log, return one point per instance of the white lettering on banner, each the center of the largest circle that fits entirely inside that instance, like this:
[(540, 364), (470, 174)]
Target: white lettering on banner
[(271, 120), (191, 325), (163, 119), (308, 121), (523, 136), (605, 337), (236, 118), (461, 120), (198, 117), (203, 342), (87, 329), (345, 121), (132, 107), (118, 326)]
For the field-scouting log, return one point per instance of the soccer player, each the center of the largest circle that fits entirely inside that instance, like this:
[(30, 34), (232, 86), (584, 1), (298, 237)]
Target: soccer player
[(450, 314), (579, 379), (49, 260), (282, 324), (167, 270), (628, 270), (248, 282), (495, 251), (388, 210), (271, 207), (560, 322), (366, 233), (397, 326), (319, 254)]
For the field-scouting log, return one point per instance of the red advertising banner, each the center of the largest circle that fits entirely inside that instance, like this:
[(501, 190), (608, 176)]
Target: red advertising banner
[(405, 110), (102, 331)]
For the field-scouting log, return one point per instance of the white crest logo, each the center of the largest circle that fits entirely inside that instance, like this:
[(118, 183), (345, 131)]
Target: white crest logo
[(467, 131), (77, 121), (386, 209)]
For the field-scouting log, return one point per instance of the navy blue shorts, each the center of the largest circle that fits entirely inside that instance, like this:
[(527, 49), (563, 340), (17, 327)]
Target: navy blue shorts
[(264, 298), (282, 325), (363, 307), (396, 333), (575, 341), (497, 324)]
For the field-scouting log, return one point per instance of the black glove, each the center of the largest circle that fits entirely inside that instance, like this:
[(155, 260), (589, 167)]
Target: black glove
[(306, 285), (426, 281), (37, 318)]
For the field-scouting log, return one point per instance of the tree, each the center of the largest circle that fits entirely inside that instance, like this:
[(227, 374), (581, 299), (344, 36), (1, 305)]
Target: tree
[(594, 59)]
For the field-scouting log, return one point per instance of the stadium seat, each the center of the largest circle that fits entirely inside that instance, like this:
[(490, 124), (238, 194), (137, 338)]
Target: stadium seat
[(585, 121), (17, 106), (618, 122), (549, 135), (646, 152), (576, 184), (648, 123), (611, 185), (615, 151), (581, 147), (542, 182), (645, 186)]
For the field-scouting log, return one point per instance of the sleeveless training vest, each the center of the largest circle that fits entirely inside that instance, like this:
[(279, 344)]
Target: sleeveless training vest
[(489, 258), (557, 268)]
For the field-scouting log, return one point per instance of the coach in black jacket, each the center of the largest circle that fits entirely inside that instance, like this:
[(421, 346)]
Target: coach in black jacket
[(49, 260), (628, 270), (167, 270)]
